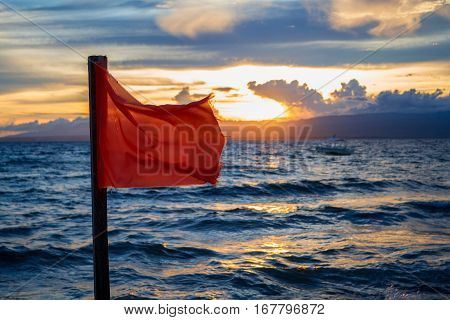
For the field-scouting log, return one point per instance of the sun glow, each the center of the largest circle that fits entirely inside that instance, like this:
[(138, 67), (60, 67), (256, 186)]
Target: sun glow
[(253, 108), (233, 99)]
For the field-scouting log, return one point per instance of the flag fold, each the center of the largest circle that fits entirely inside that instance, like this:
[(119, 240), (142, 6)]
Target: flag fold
[(141, 145)]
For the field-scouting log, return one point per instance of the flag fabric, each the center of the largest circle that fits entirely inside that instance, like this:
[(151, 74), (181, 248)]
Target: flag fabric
[(141, 145)]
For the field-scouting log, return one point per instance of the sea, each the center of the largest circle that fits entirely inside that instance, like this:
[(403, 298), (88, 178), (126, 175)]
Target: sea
[(284, 222)]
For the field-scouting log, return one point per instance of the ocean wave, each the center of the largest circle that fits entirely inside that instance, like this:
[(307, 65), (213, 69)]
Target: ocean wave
[(267, 189), (322, 230), (225, 224), (355, 216), (365, 185), (159, 250), (431, 206), (385, 274), (13, 231), (42, 256)]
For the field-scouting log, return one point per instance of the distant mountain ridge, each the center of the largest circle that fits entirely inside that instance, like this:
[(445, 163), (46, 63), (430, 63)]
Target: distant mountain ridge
[(382, 125), (376, 125)]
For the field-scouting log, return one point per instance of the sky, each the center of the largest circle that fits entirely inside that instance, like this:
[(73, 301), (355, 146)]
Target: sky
[(263, 59)]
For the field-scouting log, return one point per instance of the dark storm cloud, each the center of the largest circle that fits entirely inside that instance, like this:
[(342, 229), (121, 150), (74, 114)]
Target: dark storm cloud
[(351, 98), (411, 101)]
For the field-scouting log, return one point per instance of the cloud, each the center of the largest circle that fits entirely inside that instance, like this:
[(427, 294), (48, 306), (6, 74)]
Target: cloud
[(131, 33), (58, 128), (184, 97), (14, 75), (352, 89), (444, 12), (224, 89), (290, 94), (28, 126), (411, 101), (350, 98), (386, 17), (60, 123), (190, 18)]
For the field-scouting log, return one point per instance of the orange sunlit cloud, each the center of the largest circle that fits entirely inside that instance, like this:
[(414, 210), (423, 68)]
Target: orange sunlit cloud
[(161, 85)]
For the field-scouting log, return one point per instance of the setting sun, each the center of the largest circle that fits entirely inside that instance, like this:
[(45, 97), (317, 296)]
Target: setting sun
[(252, 108), (259, 155)]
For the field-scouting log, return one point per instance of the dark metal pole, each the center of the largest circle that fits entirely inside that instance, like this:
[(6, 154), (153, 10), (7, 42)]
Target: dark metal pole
[(99, 197)]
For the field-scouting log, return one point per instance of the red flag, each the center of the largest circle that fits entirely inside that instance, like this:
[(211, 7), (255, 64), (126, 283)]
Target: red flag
[(146, 146)]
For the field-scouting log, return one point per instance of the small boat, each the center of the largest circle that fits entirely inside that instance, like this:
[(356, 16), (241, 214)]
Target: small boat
[(334, 148)]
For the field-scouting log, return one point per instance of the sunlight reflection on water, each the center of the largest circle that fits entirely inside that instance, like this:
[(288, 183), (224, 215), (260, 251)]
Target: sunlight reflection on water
[(371, 225)]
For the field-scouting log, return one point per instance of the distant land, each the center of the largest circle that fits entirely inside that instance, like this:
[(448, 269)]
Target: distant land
[(383, 125), (377, 125)]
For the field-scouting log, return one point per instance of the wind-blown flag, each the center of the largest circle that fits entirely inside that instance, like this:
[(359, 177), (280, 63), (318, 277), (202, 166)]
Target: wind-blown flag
[(146, 145)]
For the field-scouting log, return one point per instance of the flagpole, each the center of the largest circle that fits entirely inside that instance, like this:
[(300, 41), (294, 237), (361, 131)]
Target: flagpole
[(99, 196)]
